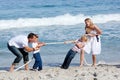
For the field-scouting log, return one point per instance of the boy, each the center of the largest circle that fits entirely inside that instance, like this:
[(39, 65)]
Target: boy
[(36, 54)]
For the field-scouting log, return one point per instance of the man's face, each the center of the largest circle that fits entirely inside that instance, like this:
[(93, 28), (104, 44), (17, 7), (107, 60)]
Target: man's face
[(34, 39)]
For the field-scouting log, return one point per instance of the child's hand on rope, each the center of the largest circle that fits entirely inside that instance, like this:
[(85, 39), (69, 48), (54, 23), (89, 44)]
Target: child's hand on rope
[(71, 41)]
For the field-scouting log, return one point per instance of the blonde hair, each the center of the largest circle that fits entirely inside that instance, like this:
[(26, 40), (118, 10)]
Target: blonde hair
[(89, 28), (89, 20), (84, 38)]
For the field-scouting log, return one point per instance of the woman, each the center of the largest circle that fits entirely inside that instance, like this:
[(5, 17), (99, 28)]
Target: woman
[(94, 44)]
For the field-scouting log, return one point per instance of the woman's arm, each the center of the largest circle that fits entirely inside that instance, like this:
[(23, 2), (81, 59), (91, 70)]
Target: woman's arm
[(98, 30)]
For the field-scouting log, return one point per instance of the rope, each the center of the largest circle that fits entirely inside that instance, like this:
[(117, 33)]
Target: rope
[(23, 65), (65, 42), (55, 43)]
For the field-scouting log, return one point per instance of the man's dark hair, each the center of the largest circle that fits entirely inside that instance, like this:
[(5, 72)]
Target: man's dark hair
[(31, 35)]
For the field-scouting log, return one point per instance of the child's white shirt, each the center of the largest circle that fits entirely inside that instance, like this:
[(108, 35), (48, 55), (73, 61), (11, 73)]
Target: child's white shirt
[(34, 45)]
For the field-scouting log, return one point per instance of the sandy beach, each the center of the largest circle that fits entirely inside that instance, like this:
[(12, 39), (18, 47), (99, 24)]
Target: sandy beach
[(101, 72)]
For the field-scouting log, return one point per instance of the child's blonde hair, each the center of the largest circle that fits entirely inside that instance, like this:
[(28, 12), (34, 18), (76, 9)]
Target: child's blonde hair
[(84, 38)]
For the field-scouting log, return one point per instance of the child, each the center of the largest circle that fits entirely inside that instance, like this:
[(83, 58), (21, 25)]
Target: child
[(78, 48), (36, 55)]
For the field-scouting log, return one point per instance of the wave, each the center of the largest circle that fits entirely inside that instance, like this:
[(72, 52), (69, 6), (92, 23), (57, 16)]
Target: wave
[(66, 19)]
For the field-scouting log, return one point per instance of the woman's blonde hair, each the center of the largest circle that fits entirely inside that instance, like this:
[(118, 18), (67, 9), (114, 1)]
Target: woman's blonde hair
[(89, 29), (89, 20)]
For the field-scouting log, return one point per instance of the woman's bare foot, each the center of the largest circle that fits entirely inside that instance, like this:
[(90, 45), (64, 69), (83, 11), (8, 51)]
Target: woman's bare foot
[(81, 65), (93, 65)]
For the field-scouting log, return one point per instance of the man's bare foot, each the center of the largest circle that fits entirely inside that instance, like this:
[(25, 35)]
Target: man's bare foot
[(11, 68), (26, 67)]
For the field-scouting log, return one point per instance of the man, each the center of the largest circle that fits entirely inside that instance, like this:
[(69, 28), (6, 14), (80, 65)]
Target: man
[(19, 47)]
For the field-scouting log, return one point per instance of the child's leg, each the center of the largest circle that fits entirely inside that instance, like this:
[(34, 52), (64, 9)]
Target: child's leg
[(70, 55), (81, 57), (94, 60), (40, 63), (36, 64), (65, 60)]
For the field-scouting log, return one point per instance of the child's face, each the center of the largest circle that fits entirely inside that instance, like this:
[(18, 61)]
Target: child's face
[(83, 39), (36, 40)]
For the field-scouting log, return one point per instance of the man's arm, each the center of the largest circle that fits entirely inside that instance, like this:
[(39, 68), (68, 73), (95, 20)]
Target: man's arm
[(28, 49)]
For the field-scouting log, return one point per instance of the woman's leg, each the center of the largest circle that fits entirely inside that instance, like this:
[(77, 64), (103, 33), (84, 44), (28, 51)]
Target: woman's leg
[(94, 60), (81, 57)]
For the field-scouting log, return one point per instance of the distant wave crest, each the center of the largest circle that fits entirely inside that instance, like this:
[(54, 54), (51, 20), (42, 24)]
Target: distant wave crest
[(66, 19)]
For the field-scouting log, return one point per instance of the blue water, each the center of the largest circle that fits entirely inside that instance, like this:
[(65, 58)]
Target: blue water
[(56, 21)]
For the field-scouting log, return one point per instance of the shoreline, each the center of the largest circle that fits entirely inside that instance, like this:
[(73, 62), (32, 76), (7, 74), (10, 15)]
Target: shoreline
[(101, 72)]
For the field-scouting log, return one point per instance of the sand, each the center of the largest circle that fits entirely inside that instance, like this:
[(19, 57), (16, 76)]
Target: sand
[(101, 72)]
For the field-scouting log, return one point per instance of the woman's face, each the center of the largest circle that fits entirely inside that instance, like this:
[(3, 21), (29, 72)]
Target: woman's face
[(87, 23)]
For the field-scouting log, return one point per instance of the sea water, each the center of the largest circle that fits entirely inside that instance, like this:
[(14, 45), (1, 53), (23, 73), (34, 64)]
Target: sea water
[(59, 21)]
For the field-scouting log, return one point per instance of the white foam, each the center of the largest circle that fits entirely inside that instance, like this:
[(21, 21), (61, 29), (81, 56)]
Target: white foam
[(66, 19)]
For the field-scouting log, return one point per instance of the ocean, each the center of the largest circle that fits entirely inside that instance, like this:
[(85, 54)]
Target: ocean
[(59, 21)]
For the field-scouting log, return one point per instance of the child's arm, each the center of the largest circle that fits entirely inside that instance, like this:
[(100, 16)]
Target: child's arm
[(79, 45), (70, 41), (40, 44)]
